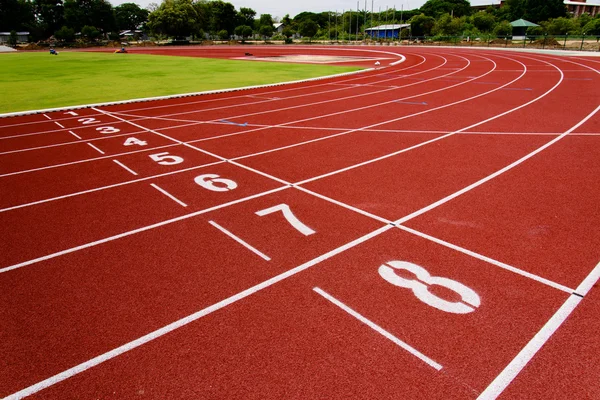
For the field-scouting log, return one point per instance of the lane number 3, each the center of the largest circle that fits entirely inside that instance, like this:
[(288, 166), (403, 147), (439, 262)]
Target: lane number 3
[(421, 285)]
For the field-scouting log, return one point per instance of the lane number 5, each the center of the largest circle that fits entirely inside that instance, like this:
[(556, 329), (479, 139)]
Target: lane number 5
[(420, 287)]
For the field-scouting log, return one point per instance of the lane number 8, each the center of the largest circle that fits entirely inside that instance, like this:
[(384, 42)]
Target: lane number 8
[(420, 287)]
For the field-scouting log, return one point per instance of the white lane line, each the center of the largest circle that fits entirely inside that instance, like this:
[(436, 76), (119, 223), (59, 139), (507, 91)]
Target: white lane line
[(47, 117), (526, 354), (487, 259), (240, 241), (120, 164), (74, 134), (95, 148), (169, 195), (186, 320), (135, 231), (60, 125), (98, 189), (495, 174), (379, 330)]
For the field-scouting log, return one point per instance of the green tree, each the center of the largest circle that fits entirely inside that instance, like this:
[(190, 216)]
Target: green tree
[(504, 28), (13, 38), (16, 15), (266, 31), (96, 13), (90, 33), (222, 16), (543, 10), (265, 19), (421, 25), (244, 31), (245, 17), (561, 26), (65, 34), (457, 8), (130, 16), (174, 18), (592, 27), (446, 25), (483, 21), (50, 15), (223, 35), (308, 29)]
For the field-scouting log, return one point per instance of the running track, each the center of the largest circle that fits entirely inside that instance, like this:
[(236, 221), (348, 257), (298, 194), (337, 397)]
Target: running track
[(423, 230)]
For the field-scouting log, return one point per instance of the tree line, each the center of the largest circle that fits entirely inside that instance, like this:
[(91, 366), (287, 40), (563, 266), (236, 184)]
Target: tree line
[(219, 19)]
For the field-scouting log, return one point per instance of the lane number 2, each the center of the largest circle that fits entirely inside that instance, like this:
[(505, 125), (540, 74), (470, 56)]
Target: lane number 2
[(289, 216), (215, 183), (421, 285)]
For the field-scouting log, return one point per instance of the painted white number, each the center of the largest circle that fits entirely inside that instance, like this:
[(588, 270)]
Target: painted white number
[(107, 129), (73, 113), (86, 121), (134, 141), (166, 159), (208, 181), (421, 285), (289, 216)]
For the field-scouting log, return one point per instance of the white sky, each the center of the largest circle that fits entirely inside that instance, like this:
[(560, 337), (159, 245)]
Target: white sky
[(280, 8)]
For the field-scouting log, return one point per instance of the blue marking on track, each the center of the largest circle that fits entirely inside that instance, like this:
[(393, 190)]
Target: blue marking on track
[(233, 123), (411, 102)]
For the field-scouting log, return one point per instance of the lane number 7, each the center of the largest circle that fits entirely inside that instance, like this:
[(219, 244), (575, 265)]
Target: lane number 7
[(289, 216)]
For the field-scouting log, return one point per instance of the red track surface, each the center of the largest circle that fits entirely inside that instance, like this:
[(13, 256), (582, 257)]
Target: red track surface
[(161, 269)]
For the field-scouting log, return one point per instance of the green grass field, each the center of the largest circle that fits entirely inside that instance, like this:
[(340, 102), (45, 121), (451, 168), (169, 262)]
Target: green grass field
[(30, 81)]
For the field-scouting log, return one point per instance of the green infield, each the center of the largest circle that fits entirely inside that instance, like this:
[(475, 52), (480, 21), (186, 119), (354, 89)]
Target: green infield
[(31, 81)]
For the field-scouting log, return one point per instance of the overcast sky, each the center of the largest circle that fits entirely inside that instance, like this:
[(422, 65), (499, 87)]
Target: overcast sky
[(280, 8)]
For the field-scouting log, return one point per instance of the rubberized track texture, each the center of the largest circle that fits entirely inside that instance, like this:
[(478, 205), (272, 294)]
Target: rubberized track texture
[(426, 229)]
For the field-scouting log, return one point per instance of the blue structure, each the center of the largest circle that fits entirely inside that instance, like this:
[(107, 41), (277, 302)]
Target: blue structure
[(386, 31)]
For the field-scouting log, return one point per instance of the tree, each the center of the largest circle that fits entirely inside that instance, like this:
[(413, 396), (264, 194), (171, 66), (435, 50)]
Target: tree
[(592, 27), (421, 25), (561, 26), (457, 8), (96, 13), (266, 31), (174, 18), (65, 34), (265, 19), (15, 15), (244, 31), (543, 10), (13, 38), (90, 32), (223, 35), (504, 28), (308, 28), (245, 17), (446, 25), (222, 16), (483, 21), (49, 15), (130, 16)]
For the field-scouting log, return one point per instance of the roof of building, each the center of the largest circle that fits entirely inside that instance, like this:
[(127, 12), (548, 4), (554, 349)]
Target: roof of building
[(522, 23), (277, 25), (388, 27), (593, 3)]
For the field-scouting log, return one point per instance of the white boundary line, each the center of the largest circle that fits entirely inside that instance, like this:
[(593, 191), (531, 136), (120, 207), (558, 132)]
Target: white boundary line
[(95, 148), (59, 124), (169, 195), (186, 320), (526, 354), (240, 241), (379, 330), (74, 134), (120, 164)]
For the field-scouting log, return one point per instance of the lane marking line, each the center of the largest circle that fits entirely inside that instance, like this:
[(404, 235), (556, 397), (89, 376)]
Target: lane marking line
[(28, 391), (47, 117), (57, 123), (379, 329), (163, 191), (135, 231), (489, 260), (95, 148), (240, 241), (508, 374), (74, 134), (495, 174), (120, 164)]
